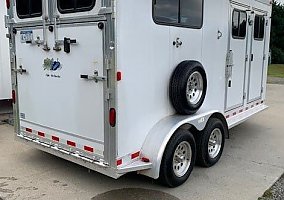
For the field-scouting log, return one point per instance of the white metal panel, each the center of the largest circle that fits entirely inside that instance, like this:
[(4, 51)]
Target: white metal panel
[(214, 49), (191, 44), (60, 99), (143, 57), (5, 72), (147, 61)]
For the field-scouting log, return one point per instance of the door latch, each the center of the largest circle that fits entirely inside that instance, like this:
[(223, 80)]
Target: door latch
[(177, 43), (20, 70), (251, 57), (95, 77), (67, 43)]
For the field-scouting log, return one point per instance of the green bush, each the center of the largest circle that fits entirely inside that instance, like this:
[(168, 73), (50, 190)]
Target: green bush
[(277, 34)]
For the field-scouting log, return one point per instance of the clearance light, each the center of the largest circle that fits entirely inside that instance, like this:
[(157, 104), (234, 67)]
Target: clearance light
[(8, 4), (14, 96), (112, 117)]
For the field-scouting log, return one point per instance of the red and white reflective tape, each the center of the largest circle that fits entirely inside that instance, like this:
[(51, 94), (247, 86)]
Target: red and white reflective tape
[(56, 139), (236, 111), (131, 158)]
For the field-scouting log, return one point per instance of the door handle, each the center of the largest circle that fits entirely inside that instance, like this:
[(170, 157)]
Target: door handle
[(177, 43), (251, 57), (219, 34), (67, 43), (20, 70), (94, 77)]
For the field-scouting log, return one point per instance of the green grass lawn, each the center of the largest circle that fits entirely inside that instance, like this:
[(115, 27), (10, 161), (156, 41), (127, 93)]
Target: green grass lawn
[(276, 70)]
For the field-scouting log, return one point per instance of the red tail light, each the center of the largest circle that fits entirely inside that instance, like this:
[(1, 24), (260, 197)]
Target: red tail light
[(14, 96), (8, 4), (118, 76), (112, 117)]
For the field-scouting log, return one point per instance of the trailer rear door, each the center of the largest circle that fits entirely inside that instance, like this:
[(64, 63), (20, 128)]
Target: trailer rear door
[(56, 100)]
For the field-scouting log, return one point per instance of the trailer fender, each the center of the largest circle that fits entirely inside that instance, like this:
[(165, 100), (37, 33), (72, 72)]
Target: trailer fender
[(158, 137)]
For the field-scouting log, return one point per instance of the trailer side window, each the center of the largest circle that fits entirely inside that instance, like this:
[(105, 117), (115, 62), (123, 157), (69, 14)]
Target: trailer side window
[(191, 13), (259, 24), (28, 8), (239, 24), (71, 6), (188, 13), (166, 11)]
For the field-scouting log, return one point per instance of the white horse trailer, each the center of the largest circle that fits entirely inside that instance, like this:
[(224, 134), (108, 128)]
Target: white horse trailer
[(5, 72), (149, 86)]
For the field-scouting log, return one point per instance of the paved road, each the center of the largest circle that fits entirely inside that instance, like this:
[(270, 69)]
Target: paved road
[(252, 161)]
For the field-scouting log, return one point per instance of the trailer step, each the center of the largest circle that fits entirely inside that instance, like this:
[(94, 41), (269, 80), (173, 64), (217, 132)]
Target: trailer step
[(135, 166), (241, 117)]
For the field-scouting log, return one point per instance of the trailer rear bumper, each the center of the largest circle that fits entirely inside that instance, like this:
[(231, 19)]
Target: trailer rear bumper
[(96, 165)]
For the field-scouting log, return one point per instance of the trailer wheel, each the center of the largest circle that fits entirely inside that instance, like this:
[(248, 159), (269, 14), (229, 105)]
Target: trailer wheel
[(210, 143), (188, 87), (178, 159)]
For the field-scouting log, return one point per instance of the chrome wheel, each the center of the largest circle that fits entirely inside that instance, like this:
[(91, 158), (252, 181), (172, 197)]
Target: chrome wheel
[(182, 159), (194, 88), (215, 143)]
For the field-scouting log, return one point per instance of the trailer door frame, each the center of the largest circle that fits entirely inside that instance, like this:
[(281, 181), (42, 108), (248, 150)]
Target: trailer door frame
[(236, 59), (257, 57)]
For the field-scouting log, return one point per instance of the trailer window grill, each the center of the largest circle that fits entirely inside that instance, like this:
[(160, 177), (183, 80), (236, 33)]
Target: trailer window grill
[(72, 6), (239, 24), (187, 13), (29, 8)]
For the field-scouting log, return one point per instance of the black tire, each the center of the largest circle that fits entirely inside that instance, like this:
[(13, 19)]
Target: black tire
[(178, 87), (203, 158), (167, 175)]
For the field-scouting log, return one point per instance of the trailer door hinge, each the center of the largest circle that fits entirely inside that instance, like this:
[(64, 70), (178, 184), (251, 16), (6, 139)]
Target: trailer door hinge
[(244, 96), (8, 21), (107, 94), (246, 58), (261, 89), (105, 11), (264, 56)]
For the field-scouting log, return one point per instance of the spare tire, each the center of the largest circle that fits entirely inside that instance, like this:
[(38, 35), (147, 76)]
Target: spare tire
[(188, 87)]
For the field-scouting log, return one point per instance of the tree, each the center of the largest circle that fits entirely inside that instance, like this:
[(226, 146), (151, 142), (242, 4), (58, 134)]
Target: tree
[(277, 33)]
